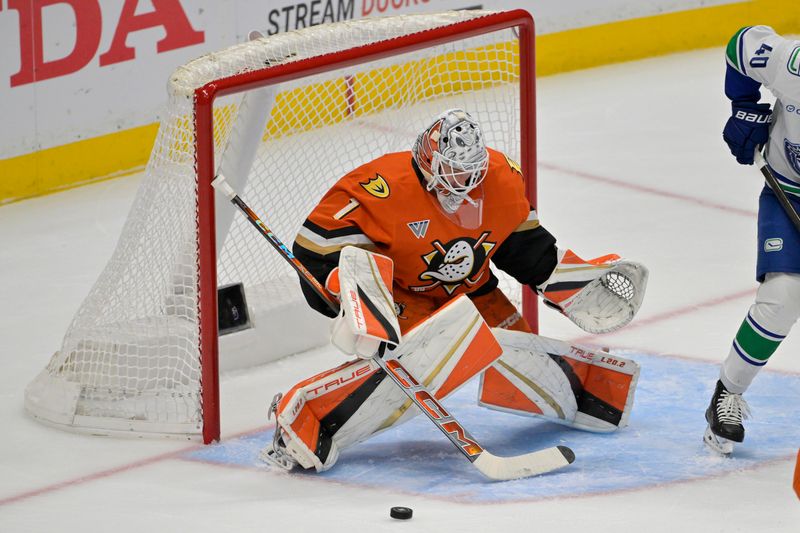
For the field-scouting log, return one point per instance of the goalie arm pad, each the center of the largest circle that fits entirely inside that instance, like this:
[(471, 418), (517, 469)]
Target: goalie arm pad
[(367, 315), (599, 295), (529, 254)]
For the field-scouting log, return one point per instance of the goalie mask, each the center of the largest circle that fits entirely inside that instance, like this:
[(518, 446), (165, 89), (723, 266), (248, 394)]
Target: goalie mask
[(452, 155)]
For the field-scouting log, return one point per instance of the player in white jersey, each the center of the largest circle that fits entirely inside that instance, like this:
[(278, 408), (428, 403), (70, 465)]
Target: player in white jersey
[(757, 57)]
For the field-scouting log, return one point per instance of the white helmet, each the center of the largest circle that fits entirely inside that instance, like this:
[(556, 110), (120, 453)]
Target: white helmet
[(452, 155)]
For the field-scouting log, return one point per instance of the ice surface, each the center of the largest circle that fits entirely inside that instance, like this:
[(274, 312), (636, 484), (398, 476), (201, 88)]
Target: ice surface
[(631, 160)]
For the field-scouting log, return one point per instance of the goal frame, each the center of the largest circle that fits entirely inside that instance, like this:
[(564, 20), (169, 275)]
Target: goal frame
[(205, 165)]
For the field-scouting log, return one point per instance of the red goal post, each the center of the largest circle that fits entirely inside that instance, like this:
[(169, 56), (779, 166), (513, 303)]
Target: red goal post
[(351, 87), (204, 120)]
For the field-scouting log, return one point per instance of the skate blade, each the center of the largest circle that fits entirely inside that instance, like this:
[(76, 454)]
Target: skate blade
[(718, 444)]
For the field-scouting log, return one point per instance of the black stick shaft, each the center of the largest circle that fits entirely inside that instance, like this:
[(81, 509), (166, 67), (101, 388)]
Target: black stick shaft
[(776, 188), (220, 184)]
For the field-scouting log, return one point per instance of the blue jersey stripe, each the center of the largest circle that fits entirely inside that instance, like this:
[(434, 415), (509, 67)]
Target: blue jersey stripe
[(763, 330), (746, 357)]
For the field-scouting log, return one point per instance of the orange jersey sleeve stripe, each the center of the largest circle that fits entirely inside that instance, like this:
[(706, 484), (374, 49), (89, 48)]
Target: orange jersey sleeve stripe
[(323, 242)]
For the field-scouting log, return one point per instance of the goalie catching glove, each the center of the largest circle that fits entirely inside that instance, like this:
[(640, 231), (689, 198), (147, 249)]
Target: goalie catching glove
[(363, 284), (599, 295)]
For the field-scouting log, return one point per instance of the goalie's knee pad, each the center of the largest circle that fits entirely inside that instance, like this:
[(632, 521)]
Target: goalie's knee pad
[(599, 295), (581, 388)]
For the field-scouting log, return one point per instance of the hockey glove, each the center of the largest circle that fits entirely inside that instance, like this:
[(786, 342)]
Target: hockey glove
[(747, 130), (599, 295)]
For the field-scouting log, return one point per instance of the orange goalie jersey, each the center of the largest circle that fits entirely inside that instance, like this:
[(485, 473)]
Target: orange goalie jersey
[(384, 206)]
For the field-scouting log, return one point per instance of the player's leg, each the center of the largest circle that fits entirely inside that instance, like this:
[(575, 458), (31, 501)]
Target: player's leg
[(333, 410), (768, 321), (537, 376), (766, 324)]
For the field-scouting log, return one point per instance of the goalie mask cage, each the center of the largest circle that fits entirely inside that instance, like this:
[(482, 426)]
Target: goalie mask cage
[(283, 117)]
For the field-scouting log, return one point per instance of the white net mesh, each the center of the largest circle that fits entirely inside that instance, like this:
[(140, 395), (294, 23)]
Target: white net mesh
[(131, 357)]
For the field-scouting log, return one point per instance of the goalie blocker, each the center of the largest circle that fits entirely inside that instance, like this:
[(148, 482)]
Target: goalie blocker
[(535, 376), (366, 314)]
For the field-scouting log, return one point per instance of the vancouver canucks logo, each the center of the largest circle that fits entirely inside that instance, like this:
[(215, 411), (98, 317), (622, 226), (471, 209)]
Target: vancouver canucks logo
[(792, 154), (773, 245), (457, 262), (793, 65), (377, 187)]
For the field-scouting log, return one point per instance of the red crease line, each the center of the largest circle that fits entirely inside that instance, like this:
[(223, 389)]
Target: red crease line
[(649, 190)]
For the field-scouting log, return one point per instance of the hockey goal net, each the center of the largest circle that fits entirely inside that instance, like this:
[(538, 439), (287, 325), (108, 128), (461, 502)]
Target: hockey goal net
[(282, 117)]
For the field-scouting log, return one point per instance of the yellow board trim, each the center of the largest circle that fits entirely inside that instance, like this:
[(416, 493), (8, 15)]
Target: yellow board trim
[(64, 167), (126, 152), (640, 38)]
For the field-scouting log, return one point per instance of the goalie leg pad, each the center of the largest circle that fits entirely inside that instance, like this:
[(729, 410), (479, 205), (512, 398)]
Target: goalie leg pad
[(307, 414), (336, 409), (582, 388)]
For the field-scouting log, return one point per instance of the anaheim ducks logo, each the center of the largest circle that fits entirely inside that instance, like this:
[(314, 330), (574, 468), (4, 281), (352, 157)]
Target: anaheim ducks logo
[(377, 187), (457, 262)]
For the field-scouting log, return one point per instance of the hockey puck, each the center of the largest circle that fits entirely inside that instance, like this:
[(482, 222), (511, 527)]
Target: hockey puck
[(401, 513)]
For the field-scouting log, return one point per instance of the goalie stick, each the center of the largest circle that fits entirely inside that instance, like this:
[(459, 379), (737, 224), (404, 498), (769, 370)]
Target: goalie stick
[(761, 163), (492, 466)]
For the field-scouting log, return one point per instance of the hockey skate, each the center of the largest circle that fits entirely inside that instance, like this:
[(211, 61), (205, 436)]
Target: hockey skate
[(275, 453), (724, 416)]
